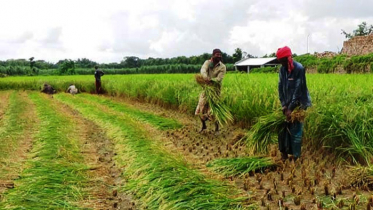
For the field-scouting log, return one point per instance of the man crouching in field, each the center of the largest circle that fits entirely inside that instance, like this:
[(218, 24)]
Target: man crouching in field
[(48, 89), (294, 97), (72, 90), (212, 70)]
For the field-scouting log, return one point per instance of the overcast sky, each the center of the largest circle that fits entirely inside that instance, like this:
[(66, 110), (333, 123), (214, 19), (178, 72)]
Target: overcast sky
[(106, 31)]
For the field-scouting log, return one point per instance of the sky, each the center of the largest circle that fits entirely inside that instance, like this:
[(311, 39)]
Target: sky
[(107, 31)]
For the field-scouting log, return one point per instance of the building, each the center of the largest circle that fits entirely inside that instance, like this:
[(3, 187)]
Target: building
[(250, 63)]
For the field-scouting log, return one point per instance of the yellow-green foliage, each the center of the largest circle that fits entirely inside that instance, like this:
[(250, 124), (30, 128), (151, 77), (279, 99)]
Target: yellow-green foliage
[(340, 117)]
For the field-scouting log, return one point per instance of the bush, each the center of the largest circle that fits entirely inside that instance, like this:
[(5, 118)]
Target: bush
[(307, 60), (358, 64)]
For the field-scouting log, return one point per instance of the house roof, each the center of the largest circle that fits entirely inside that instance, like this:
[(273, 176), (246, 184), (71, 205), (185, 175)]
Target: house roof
[(255, 61)]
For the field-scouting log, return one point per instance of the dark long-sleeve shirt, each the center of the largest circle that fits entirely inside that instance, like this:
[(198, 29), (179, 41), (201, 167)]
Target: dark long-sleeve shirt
[(98, 74), (292, 88)]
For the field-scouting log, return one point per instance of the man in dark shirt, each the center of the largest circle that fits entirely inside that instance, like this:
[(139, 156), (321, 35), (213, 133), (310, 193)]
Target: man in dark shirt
[(48, 89), (294, 97), (98, 75)]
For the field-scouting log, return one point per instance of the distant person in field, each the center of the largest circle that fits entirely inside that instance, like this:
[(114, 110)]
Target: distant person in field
[(295, 99), (72, 89), (98, 74), (48, 89), (212, 69)]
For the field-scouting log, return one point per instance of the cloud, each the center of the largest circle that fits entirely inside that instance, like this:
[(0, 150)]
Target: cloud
[(52, 36), (338, 9), (24, 37), (108, 31)]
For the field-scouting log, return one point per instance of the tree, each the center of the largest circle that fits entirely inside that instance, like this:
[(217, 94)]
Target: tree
[(362, 30), (85, 63), (226, 58), (270, 55), (130, 62), (66, 67), (237, 55)]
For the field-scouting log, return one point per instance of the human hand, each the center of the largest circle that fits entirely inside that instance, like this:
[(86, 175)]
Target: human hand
[(288, 114)]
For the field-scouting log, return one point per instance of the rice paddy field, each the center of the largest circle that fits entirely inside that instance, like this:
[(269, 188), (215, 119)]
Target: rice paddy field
[(137, 146)]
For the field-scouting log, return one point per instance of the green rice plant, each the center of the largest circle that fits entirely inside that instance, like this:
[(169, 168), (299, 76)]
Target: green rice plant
[(358, 148), (261, 134), (338, 100), (240, 166)]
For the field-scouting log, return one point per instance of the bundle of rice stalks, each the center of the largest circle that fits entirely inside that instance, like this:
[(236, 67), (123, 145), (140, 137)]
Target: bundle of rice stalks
[(240, 166), (218, 110), (200, 80), (298, 115), (259, 136), (360, 175)]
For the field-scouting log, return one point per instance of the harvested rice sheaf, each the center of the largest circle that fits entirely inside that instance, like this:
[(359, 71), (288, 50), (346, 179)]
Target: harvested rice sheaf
[(218, 110), (260, 135), (241, 166), (360, 175)]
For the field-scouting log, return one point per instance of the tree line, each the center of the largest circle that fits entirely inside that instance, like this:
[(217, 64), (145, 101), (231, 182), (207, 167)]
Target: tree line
[(132, 64)]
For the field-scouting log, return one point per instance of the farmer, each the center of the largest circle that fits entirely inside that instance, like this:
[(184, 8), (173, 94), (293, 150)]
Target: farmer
[(98, 75), (212, 69), (295, 99), (72, 89), (48, 89)]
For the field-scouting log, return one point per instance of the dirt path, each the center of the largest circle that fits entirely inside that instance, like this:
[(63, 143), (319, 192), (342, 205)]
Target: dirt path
[(104, 175)]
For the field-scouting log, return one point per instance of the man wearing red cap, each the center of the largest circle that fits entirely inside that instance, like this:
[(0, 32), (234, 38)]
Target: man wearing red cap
[(212, 69), (293, 93)]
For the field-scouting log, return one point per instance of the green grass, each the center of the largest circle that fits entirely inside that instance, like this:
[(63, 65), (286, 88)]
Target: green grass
[(54, 174), (240, 166), (159, 122), (156, 177)]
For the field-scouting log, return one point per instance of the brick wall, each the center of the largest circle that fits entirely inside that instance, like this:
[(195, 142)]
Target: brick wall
[(359, 45)]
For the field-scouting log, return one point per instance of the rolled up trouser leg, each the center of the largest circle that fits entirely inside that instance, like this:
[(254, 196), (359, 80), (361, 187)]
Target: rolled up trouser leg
[(296, 131)]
